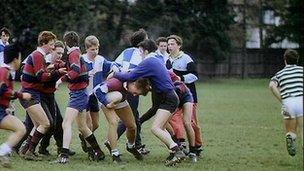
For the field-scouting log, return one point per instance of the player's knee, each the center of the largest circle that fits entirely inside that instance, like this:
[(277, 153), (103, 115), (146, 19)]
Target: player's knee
[(131, 127), (113, 123), (46, 125), (95, 126), (21, 131), (81, 128)]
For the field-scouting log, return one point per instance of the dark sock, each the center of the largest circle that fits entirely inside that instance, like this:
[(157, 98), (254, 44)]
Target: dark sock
[(93, 142), (192, 149), (174, 139), (64, 152), (198, 146), (28, 140), (174, 149), (35, 140), (181, 140)]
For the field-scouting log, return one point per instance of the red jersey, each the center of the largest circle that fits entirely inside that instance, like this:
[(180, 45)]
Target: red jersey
[(34, 73), (6, 87), (77, 75)]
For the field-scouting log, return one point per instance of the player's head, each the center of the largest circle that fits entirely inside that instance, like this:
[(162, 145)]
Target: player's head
[(291, 57), (162, 44), (138, 37), (71, 39), (12, 55), (46, 40), (174, 43), (92, 46), (59, 50), (139, 87), (147, 46), (5, 34)]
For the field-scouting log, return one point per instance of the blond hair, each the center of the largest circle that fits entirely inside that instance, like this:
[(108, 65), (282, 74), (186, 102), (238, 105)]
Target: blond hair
[(91, 41)]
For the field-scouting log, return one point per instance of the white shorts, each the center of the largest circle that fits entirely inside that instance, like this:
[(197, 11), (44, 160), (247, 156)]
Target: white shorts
[(118, 105), (292, 107)]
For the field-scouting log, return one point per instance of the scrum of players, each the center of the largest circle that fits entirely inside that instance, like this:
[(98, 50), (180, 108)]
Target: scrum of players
[(95, 84)]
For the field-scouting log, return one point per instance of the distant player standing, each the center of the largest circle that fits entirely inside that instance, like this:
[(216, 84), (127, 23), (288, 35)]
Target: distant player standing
[(287, 87), (185, 68)]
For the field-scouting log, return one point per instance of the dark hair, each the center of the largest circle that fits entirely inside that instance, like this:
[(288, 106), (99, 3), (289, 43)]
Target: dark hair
[(11, 52), (138, 37), (148, 45), (144, 85), (161, 39), (291, 56), (178, 39), (5, 30), (45, 37), (71, 38)]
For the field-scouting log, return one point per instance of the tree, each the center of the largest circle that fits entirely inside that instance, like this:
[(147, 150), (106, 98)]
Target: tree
[(203, 25), (291, 25)]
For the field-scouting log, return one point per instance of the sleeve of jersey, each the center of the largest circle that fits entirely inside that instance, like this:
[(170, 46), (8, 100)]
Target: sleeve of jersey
[(142, 70), (275, 79), (168, 64), (5, 91), (192, 76), (100, 92), (173, 76), (102, 89), (1, 48), (39, 68), (107, 65), (74, 68), (119, 59)]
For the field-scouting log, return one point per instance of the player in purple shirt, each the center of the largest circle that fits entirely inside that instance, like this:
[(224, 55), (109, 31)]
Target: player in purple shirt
[(153, 69)]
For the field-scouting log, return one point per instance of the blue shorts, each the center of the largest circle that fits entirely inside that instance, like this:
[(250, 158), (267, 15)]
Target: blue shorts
[(93, 104), (78, 100), (3, 113), (167, 101), (36, 99), (184, 97)]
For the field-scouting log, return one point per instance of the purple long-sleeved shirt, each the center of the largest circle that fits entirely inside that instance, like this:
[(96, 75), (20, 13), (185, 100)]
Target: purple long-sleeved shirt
[(152, 68)]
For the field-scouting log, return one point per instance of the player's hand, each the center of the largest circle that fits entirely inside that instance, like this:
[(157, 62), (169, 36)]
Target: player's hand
[(62, 71), (111, 105), (50, 67), (26, 96)]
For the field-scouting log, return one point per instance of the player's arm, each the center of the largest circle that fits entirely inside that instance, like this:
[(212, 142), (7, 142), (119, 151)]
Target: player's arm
[(192, 76), (40, 71), (273, 86), (74, 71), (8, 93), (102, 90), (141, 71)]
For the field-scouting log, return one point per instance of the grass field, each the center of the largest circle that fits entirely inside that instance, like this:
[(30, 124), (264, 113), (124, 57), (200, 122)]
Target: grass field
[(242, 127)]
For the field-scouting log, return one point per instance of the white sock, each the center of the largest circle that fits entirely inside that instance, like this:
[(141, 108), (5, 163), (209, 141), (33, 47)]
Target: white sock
[(130, 145), (115, 152), (5, 149), (293, 135)]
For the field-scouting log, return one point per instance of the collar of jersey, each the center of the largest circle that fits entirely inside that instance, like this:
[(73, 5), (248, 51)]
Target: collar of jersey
[(72, 49)]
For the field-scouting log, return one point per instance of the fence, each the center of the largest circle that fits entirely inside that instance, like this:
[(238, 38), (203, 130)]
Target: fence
[(252, 63)]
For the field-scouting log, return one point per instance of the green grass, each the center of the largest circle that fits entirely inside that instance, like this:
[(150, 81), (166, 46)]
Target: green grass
[(242, 128)]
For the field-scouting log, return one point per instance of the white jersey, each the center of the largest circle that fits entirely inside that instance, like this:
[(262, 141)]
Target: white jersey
[(97, 70), (129, 58), (2, 46)]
